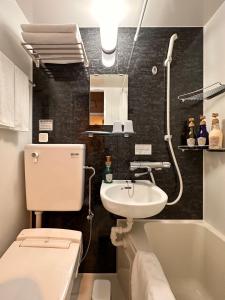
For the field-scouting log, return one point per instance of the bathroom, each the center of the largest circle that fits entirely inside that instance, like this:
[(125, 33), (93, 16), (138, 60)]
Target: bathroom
[(186, 240)]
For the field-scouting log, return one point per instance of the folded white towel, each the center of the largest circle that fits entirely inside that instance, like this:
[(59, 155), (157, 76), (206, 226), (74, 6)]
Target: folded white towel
[(22, 101), (6, 91), (148, 281), (51, 38), (58, 51), (50, 28)]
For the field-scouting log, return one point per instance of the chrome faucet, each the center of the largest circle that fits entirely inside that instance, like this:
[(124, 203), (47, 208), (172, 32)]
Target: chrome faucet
[(149, 166)]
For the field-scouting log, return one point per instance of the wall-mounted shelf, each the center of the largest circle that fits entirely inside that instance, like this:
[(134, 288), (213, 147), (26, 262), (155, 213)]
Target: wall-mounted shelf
[(199, 148), (216, 150), (53, 44), (56, 53), (106, 133)]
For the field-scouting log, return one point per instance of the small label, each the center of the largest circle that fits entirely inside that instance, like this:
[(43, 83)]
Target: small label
[(201, 141), (109, 177), (191, 142), (143, 149), (46, 125)]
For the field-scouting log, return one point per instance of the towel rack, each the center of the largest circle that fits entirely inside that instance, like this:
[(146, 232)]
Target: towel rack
[(57, 51), (205, 93)]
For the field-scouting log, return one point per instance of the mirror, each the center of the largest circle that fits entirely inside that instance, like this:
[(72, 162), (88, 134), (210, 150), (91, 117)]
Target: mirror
[(108, 99)]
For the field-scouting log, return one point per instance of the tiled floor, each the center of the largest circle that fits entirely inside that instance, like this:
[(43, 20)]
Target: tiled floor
[(83, 285)]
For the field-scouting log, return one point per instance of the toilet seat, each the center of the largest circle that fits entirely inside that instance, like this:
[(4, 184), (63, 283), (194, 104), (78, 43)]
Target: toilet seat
[(40, 264)]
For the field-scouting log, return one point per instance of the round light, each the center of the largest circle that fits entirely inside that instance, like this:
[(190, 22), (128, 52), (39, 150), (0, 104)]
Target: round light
[(108, 60)]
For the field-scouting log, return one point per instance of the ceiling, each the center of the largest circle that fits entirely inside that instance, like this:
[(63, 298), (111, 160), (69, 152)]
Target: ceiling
[(159, 13)]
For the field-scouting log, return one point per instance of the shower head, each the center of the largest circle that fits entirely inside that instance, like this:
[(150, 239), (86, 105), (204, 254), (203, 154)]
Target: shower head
[(173, 38)]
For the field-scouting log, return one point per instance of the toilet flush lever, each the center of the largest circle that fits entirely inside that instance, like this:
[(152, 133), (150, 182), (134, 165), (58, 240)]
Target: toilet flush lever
[(35, 156)]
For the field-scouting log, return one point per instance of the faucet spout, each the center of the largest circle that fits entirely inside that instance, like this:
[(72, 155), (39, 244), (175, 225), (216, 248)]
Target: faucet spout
[(137, 175), (149, 166), (149, 172)]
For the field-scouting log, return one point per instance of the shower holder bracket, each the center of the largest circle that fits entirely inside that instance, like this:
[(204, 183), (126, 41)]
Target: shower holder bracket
[(167, 137)]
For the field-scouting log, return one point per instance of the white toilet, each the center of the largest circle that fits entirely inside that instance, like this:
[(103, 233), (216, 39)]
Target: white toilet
[(41, 263)]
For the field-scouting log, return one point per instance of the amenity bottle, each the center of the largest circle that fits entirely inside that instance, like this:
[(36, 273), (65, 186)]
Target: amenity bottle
[(108, 175), (215, 135), (202, 135), (191, 135)]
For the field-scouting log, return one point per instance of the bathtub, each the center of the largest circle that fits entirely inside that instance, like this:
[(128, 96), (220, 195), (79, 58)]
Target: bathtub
[(192, 255)]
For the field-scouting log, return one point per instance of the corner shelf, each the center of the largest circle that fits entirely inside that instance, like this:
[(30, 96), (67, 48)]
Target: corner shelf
[(216, 150), (199, 148), (91, 134)]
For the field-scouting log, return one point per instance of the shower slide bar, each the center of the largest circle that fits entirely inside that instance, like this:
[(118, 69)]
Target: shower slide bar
[(205, 93)]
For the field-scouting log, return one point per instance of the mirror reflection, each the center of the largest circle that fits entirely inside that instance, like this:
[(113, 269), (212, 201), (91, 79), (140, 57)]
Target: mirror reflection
[(108, 99)]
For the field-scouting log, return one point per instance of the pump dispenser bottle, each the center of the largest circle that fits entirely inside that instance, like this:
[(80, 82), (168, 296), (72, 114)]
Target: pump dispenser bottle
[(108, 176)]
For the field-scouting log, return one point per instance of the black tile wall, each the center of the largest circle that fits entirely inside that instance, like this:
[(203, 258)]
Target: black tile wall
[(65, 99)]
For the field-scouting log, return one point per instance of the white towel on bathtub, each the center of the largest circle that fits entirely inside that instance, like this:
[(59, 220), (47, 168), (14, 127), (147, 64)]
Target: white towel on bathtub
[(148, 282)]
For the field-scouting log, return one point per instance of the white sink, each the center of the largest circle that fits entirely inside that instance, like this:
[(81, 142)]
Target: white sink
[(141, 199)]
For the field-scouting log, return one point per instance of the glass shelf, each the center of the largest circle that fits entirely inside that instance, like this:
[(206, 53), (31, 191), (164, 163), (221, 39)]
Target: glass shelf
[(195, 148), (107, 133), (199, 148)]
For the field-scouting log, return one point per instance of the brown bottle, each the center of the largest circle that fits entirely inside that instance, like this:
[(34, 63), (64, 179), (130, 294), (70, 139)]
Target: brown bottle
[(191, 135)]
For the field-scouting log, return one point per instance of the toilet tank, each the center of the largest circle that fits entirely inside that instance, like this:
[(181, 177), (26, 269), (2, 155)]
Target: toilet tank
[(54, 176)]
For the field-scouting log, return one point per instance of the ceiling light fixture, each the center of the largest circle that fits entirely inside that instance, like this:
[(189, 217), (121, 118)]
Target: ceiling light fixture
[(108, 14)]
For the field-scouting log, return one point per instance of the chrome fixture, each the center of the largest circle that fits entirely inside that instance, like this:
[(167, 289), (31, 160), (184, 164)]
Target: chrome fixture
[(137, 175), (154, 70), (134, 165), (55, 52), (205, 93), (168, 136), (149, 166), (149, 172)]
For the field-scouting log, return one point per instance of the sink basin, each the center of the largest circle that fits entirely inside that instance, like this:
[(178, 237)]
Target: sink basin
[(141, 199)]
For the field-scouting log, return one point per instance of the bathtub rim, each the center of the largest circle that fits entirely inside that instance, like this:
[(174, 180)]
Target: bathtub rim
[(133, 243), (199, 222)]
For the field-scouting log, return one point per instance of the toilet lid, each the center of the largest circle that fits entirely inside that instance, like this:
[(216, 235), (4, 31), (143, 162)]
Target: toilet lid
[(38, 273)]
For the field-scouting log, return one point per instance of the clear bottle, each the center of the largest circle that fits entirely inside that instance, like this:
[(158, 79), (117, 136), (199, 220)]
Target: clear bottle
[(202, 135), (215, 135), (108, 175), (191, 135)]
